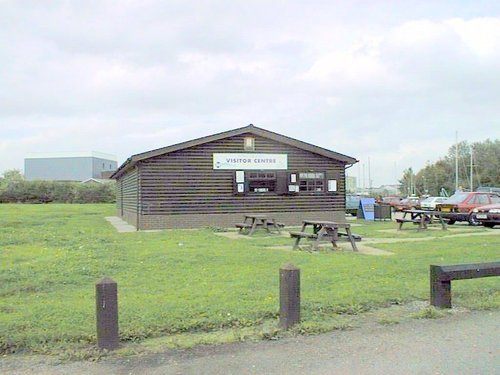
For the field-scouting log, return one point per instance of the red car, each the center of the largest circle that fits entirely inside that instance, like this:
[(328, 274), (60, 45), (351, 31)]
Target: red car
[(409, 203), (489, 215), (460, 205), (391, 200)]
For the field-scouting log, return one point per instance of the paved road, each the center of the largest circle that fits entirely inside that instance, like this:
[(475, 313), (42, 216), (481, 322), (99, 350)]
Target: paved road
[(466, 343)]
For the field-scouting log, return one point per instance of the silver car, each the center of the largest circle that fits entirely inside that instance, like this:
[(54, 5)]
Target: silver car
[(429, 203)]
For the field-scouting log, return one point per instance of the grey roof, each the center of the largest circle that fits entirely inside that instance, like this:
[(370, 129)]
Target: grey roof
[(131, 161), (96, 180)]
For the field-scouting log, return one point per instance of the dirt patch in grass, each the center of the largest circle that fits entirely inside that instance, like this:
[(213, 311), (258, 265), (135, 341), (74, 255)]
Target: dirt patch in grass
[(368, 250), (342, 247)]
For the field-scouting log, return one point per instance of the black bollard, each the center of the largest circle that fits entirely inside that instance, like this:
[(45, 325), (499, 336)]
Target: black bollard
[(289, 295), (106, 298)]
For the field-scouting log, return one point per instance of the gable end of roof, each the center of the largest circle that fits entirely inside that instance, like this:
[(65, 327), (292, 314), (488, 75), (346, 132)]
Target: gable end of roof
[(134, 159)]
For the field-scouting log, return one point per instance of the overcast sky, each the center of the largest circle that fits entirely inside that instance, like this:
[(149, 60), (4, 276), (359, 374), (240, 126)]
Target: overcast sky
[(385, 81)]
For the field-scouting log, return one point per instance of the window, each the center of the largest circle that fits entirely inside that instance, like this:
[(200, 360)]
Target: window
[(261, 182), (249, 144), (482, 199), (457, 198), (312, 181)]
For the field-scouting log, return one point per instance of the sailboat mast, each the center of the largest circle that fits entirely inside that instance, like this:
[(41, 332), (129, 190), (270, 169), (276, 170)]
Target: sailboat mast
[(471, 172), (456, 160), (369, 176)]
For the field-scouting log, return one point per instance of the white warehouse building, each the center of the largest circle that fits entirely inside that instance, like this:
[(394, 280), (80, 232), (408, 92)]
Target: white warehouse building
[(69, 166)]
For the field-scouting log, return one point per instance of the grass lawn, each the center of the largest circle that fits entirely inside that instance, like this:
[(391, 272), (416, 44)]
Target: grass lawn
[(194, 281)]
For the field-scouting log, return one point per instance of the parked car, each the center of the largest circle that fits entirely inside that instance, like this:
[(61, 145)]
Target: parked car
[(488, 189), (407, 204), (429, 203), (391, 200), (460, 205), (352, 204), (488, 215)]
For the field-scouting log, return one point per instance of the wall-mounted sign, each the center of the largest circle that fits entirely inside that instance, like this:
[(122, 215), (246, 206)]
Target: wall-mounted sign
[(250, 161)]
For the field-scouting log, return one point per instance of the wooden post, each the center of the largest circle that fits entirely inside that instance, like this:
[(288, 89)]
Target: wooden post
[(440, 289), (289, 295), (106, 298)]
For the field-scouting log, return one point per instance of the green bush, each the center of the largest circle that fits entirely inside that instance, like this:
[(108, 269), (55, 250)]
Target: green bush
[(15, 189), (95, 193)]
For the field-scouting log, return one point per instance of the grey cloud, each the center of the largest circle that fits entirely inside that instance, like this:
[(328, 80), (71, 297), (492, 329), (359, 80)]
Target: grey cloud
[(125, 77)]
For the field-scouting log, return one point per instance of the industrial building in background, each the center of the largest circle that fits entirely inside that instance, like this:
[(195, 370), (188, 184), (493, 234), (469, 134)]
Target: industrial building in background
[(69, 166)]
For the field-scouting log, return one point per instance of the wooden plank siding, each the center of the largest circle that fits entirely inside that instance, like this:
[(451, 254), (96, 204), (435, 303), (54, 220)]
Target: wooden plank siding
[(128, 196), (184, 182)]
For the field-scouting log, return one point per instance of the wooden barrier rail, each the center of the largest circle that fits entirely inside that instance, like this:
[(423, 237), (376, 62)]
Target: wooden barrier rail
[(441, 277)]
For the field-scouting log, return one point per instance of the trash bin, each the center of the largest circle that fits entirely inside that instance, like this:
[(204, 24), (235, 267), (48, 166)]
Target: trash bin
[(383, 212)]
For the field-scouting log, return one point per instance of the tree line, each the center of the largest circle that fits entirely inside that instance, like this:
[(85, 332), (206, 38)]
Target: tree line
[(440, 176), (15, 189)]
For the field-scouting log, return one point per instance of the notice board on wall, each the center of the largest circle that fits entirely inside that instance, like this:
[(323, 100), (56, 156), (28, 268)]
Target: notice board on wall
[(366, 209)]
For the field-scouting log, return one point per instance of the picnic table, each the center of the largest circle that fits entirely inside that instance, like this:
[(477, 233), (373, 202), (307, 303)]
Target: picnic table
[(254, 221), (324, 231), (421, 218)]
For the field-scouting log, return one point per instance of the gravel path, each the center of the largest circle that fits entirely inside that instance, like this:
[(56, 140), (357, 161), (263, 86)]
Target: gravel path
[(464, 343)]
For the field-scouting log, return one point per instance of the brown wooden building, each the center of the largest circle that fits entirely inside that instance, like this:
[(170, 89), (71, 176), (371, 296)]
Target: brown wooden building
[(214, 180)]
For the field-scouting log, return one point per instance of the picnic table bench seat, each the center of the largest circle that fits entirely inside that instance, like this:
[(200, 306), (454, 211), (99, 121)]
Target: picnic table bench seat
[(414, 221), (356, 237), (303, 235), (280, 225), (243, 225), (343, 225)]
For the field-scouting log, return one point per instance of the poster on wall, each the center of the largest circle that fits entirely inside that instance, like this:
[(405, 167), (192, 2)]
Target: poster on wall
[(245, 161), (240, 176), (332, 185)]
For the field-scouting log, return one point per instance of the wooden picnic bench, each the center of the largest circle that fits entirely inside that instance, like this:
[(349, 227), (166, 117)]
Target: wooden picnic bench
[(421, 218), (253, 221), (324, 231)]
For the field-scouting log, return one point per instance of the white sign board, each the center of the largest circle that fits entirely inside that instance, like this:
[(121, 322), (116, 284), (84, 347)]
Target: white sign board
[(240, 176), (332, 185), (250, 161)]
